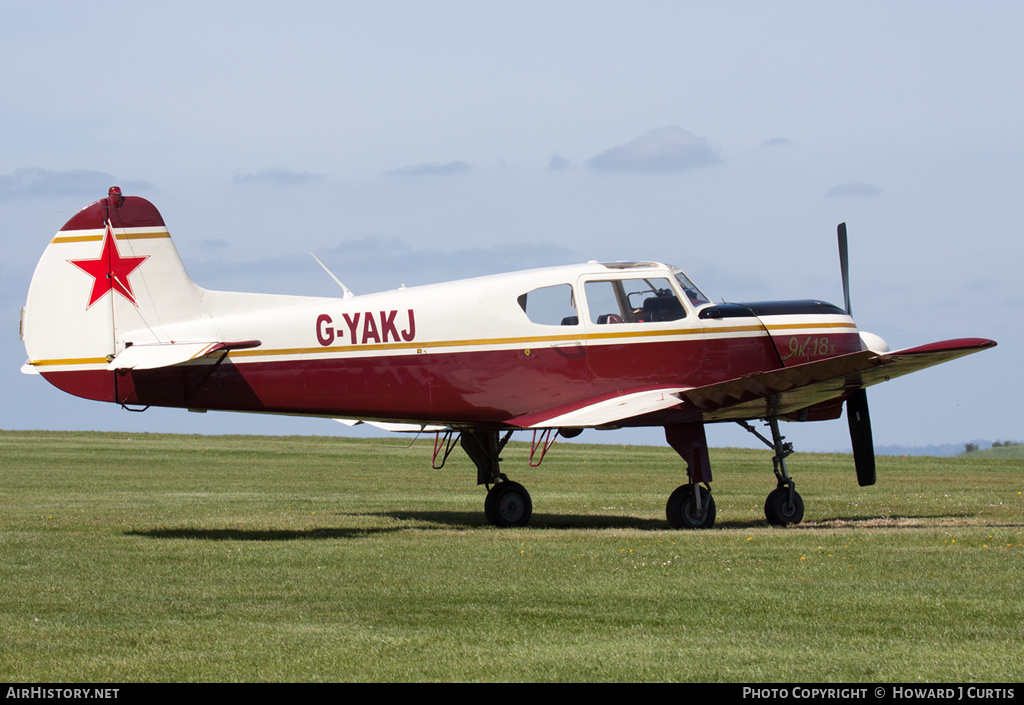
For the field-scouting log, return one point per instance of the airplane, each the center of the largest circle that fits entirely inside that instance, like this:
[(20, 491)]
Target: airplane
[(111, 315)]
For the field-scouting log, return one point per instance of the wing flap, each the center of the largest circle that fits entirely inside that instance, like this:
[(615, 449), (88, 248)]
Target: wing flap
[(602, 411), (396, 427)]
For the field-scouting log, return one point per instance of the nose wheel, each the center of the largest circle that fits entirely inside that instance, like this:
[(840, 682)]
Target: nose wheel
[(784, 506)]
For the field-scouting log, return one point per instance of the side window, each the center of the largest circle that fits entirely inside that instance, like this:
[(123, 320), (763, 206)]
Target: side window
[(643, 300), (550, 305), (604, 301)]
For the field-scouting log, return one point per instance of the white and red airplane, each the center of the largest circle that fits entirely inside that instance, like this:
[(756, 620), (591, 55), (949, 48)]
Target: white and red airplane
[(112, 315)]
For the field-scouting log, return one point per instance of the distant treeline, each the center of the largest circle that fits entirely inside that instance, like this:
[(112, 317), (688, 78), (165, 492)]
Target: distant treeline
[(971, 447)]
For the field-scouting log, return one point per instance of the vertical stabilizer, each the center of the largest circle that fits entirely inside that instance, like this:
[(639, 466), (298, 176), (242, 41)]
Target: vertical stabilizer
[(111, 268)]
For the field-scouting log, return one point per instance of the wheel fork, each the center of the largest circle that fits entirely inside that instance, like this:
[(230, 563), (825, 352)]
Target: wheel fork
[(782, 451)]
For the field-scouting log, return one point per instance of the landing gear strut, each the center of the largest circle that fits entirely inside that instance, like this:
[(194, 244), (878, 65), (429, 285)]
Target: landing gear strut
[(783, 505), (691, 506), (508, 503)]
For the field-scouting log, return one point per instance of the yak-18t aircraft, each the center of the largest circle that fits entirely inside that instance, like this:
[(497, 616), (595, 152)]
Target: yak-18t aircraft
[(112, 315)]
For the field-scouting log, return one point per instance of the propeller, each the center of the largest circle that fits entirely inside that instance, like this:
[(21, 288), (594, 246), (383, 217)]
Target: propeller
[(857, 404)]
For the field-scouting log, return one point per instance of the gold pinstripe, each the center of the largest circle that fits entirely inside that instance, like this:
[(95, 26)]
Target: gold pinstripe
[(151, 235), (70, 361), (478, 342)]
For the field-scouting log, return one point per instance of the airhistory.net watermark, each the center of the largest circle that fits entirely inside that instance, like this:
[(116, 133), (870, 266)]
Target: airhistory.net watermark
[(48, 693)]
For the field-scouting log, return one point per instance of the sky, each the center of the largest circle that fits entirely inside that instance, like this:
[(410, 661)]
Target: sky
[(416, 142)]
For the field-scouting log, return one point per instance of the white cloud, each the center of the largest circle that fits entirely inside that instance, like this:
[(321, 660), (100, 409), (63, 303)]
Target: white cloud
[(668, 149)]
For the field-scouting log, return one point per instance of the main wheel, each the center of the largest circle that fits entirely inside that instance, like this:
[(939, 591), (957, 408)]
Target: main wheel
[(681, 509), (779, 510), (508, 504)]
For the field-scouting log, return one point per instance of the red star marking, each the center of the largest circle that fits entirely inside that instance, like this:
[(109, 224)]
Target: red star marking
[(110, 271)]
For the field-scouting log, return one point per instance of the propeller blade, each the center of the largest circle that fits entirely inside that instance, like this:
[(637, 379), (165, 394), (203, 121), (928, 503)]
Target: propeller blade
[(857, 404), (844, 264), (860, 436)]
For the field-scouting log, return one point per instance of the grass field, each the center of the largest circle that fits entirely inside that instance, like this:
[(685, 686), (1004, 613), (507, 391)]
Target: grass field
[(132, 558)]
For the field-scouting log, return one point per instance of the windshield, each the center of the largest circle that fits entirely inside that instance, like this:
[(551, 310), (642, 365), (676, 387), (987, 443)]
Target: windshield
[(695, 295)]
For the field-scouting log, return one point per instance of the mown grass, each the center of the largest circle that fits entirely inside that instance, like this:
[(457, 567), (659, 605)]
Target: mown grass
[(194, 558)]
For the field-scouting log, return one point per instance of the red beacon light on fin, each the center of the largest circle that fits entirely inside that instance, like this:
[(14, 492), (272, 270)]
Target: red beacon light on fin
[(114, 196)]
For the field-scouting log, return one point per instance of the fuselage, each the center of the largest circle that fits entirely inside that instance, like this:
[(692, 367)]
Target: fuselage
[(485, 350)]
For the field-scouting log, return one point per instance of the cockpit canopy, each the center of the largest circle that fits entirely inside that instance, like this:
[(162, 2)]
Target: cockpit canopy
[(622, 296)]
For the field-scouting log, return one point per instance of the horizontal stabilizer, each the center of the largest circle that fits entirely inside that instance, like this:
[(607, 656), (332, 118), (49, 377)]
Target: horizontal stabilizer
[(149, 356)]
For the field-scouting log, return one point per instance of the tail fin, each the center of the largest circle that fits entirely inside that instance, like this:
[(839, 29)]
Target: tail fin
[(112, 268)]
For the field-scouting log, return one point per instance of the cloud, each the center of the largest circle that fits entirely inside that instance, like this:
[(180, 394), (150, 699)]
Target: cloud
[(277, 177), (35, 182), (668, 149), (459, 167), (860, 189), (558, 163)]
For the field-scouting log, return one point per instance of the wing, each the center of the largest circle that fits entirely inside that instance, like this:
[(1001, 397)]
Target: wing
[(760, 395), (791, 389)]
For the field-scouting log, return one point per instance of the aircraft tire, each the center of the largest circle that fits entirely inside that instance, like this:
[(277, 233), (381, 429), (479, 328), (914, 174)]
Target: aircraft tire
[(680, 509), (508, 504), (779, 511)]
